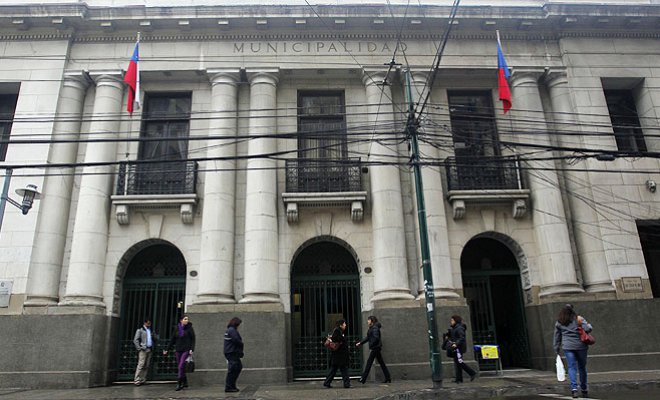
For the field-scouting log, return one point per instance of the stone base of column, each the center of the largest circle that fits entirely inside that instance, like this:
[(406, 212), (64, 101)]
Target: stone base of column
[(214, 299), (249, 298), (600, 287), (560, 289), (393, 294), (83, 301), (41, 301)]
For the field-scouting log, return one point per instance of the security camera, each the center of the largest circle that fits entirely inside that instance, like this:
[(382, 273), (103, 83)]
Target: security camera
[(651, 186)]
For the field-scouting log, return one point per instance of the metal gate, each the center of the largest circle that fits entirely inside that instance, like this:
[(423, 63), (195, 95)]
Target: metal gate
[(321, 293), (497, 317), (153, 288)]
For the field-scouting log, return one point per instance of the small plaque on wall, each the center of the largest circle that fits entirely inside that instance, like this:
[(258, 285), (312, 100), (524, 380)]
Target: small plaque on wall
[(632, 284), (5, 292)]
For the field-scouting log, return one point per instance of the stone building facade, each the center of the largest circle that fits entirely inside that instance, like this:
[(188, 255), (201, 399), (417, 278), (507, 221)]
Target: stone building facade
[(267, 176)]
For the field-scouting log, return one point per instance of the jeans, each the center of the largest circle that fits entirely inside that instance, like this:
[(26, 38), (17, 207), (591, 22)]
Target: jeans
[(577, 361), (234, 368)]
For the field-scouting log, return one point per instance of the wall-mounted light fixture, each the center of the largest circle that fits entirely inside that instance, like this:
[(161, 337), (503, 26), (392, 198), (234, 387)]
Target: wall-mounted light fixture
[(29, 195)]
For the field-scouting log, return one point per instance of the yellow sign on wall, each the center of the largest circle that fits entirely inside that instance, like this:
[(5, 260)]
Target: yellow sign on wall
[(490, 352)]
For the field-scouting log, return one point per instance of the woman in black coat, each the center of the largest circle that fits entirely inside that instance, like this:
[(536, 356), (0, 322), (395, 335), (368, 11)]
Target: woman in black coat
[(456, 345), (183, 341), (375, 345), (339, 358)]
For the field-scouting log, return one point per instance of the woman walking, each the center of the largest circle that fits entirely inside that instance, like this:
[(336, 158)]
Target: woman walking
[(567, 338), (233, 350), (455, 344), (375, 347), (339, 357), (183, 341)]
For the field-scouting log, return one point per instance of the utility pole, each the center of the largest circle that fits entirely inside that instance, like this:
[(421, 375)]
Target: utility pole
[(411, 133)]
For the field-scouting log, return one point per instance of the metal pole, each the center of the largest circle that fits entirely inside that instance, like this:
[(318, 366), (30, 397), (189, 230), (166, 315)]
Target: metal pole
[(5, 194), (411, 128)]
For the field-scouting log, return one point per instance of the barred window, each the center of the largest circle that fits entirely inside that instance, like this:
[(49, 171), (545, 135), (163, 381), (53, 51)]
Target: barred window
[(7, 109), (625, 120), (321, 125)]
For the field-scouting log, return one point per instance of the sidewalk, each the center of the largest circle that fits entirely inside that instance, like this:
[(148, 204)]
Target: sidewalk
[(512, 383)]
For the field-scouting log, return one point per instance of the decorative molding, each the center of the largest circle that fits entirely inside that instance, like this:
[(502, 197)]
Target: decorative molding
[(517, 197), (123, 205), (354, 200)]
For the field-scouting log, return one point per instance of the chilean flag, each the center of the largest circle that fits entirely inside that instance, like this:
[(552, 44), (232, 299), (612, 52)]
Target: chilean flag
[(502, 77), (132, 79)]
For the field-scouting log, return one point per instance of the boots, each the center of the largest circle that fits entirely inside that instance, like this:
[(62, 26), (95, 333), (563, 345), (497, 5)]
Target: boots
[(179, 384), (185, 381)]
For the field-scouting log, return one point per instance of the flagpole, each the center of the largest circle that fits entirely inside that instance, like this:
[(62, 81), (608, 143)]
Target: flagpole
[(137, 83)]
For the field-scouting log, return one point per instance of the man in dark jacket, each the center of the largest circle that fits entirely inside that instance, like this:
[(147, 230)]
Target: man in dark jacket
[(233, 350)]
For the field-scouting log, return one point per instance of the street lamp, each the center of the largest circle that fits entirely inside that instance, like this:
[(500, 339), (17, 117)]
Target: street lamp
[(29, 194)]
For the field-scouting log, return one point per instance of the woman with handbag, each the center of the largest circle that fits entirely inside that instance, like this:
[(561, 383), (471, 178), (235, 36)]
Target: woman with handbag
[(339, 358), (567, 337), (456, 345), (183, 341)]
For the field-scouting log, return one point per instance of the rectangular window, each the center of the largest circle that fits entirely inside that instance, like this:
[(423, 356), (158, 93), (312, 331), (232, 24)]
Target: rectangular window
[(7, 109), (625, 120), (473, 123), (165, 130), (321, 126)]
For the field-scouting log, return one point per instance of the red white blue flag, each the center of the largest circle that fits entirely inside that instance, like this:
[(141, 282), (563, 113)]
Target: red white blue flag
[(132, 79), (503, 77)]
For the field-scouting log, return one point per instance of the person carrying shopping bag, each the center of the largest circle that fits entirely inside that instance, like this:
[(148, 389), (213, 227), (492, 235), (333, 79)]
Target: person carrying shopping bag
[(567, 338), (183, 341)]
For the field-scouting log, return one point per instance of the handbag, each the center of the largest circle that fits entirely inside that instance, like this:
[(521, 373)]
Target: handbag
[(329, 344), (585, 337), (189, 365), (561, 371)]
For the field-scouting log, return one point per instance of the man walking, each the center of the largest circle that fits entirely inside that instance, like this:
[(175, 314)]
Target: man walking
[(144, 344)]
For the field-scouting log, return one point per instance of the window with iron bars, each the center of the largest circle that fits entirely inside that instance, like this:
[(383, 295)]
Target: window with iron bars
[(7, 109)]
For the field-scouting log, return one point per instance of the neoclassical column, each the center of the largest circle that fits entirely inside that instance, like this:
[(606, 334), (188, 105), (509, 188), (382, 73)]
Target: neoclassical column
[(84, 285), (595, 273), (436, 217), (388, 235), (216, 268), (555, 260), (48, 252), (261, 233)]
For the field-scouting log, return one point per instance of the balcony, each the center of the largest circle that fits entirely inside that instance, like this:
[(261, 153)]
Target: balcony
[(155, 186), (488, 180), (324, 183)]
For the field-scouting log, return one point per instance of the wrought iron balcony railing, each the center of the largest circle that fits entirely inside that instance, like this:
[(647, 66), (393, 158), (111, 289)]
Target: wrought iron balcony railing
[(484, 173), (323, 176), (166, 178)]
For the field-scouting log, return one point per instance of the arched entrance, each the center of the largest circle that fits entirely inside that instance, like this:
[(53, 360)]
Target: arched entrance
[(492, 287), (325, 286), (153, 287)]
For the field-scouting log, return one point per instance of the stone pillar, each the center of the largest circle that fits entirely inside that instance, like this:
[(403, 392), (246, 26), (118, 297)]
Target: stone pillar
[(261, 234), (388, 236), (50, 238), (84, 285), (586, 229), (216, 268), (555, 260), (436, 218)]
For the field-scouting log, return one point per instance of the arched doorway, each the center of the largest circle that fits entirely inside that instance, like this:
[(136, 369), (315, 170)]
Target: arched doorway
[(325, 286), (492, 287), (153, 287)]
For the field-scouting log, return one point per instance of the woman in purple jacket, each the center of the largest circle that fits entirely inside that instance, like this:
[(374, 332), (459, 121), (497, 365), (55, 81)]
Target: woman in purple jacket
[(567, 338)]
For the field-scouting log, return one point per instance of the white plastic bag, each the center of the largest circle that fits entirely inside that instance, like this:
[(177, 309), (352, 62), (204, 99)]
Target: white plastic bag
[(561, 371)]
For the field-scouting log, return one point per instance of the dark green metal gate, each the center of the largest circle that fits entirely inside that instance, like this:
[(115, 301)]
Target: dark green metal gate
[(321, 293), (154, 287)]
